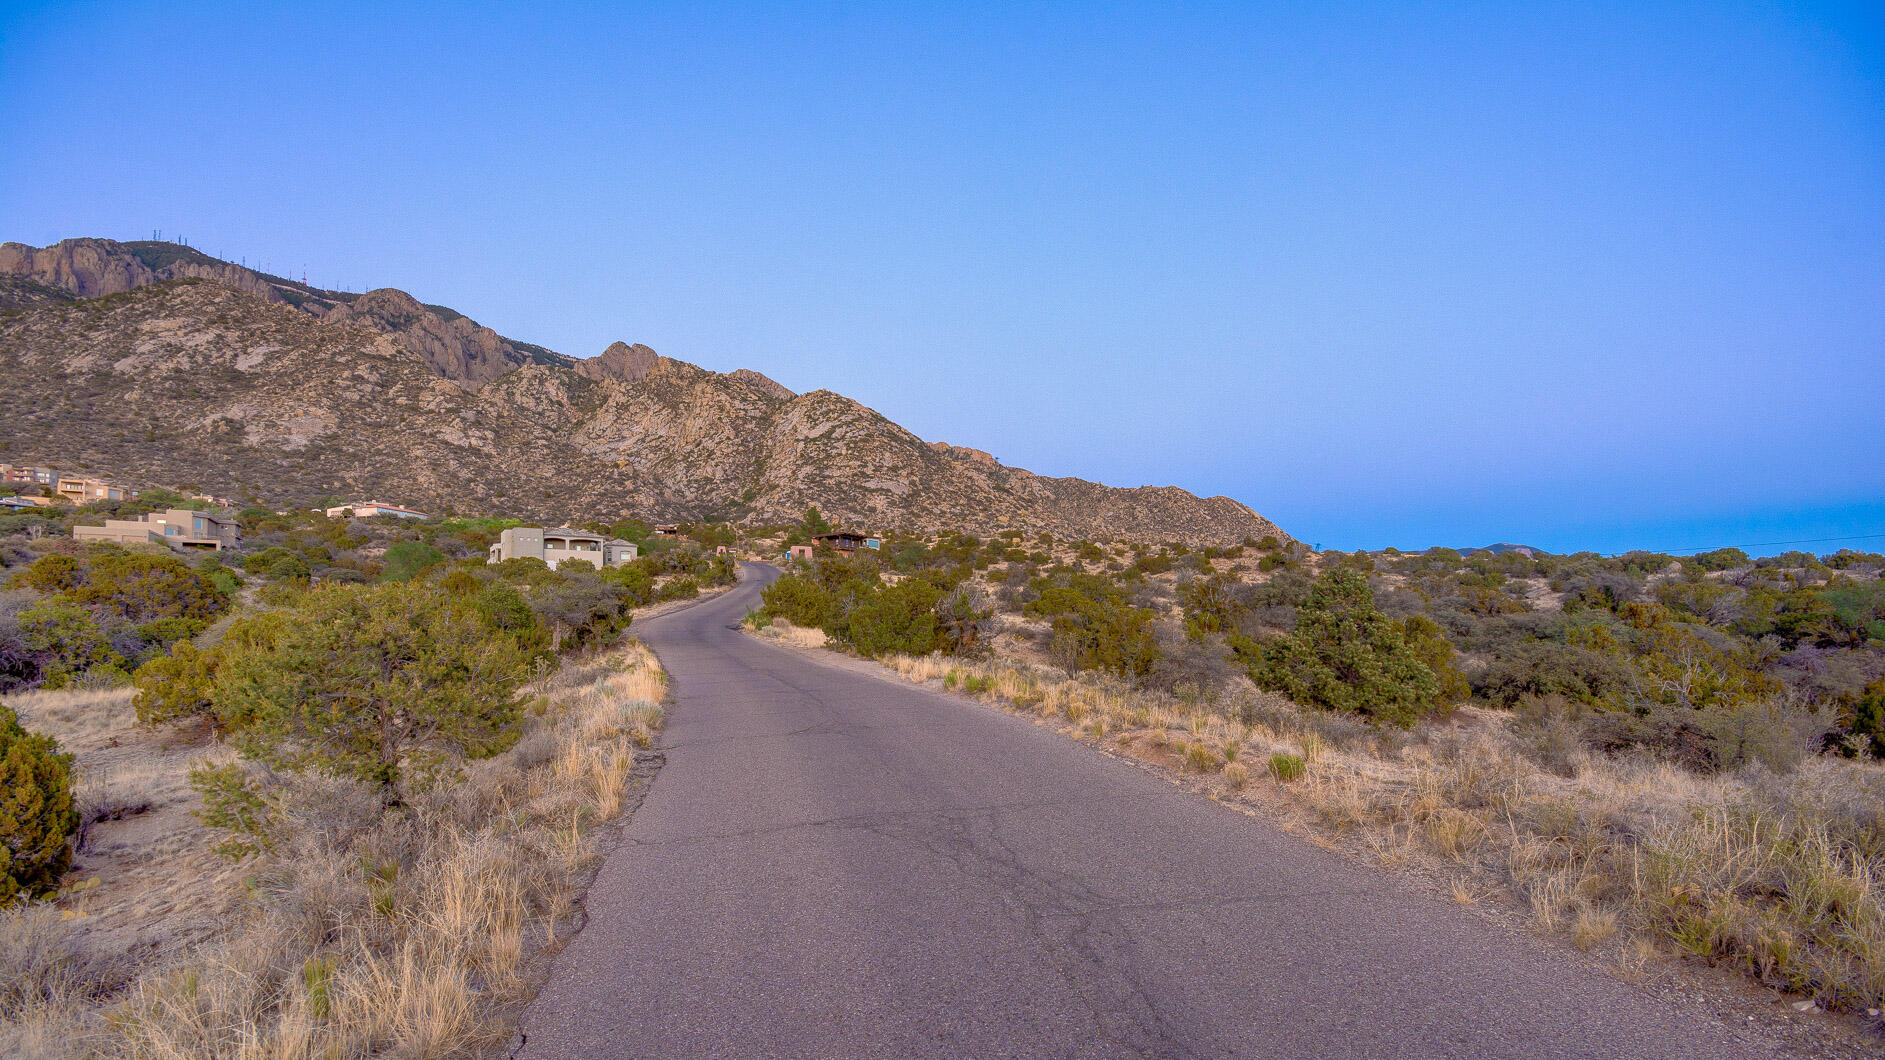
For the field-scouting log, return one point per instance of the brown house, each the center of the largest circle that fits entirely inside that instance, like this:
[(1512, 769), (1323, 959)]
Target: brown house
[(843, 540)]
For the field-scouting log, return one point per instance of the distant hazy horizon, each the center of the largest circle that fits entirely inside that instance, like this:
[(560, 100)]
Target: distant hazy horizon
[(1409, 275)]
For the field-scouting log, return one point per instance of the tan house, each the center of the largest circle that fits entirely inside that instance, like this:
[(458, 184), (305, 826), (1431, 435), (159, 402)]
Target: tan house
[(803, 552), (371, 509), (85, 490), (562, 543), (180, 528)]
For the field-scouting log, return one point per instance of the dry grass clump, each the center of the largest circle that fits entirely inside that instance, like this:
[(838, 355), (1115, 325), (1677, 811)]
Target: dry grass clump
[(1783, 876), (796, 636), (365, 932)]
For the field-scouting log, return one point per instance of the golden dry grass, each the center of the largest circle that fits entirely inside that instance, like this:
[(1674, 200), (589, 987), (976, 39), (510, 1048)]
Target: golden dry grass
[(405, 934)]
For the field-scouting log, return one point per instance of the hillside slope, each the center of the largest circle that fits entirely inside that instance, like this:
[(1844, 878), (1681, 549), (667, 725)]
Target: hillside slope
[(193, 381)]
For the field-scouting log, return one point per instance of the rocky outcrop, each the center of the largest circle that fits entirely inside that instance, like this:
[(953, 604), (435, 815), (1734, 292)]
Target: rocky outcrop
[(761, 383), (964, 453), (456, 346), (459, 348), (621, 362), (193, 382)]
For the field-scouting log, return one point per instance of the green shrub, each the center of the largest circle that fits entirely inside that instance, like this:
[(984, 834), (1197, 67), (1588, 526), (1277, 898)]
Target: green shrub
[(67, 638), (37, 815), (896, 618), (406, 560), (178, 685), (374, 684), (235, 803), (1201, 759), (800, 600), (1105, 635), (167, 631), (680, 589), (1346, 655), (49, 574), (1286, 767), (140, 588)]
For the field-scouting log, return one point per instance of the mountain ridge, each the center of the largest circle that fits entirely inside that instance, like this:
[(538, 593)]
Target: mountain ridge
[(184, 371)]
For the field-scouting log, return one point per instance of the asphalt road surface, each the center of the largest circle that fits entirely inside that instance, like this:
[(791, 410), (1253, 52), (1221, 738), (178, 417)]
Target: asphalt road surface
[(833, 865)]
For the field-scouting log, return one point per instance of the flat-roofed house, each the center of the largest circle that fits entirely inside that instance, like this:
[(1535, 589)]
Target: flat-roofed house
[(562, 543), (86, 490), (180, 528), (373, 508)]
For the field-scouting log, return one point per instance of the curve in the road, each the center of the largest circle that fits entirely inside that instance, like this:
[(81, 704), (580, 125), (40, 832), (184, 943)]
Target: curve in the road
[(834, 865)]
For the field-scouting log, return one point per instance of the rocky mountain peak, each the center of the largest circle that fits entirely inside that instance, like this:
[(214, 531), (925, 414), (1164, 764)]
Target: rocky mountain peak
[(621, 361)]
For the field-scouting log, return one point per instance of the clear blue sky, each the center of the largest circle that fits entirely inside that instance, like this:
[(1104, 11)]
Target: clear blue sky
[(1580, 276)]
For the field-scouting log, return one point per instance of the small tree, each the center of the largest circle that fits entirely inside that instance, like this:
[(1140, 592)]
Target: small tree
[(36, 811), (814, 523), (1346, 655), (373, 683)]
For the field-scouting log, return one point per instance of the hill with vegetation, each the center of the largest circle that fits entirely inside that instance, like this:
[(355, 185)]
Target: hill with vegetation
[(162, 365)]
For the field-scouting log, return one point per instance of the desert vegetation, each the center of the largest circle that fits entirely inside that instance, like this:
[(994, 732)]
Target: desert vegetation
[(337, 795), (1649, 754)]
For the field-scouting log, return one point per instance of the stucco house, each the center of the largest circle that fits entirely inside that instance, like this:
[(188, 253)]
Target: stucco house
[(180, 528), (85, 490), (373, 508), (555, 546)]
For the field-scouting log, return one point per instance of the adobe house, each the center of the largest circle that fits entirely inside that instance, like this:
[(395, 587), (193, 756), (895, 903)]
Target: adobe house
[(555, 546), (373, 508), (85, 490), (179, 528), (843, 540), (797, 552)]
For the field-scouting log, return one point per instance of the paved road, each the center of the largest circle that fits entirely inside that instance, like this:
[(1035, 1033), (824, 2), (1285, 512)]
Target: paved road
[(834, 865)]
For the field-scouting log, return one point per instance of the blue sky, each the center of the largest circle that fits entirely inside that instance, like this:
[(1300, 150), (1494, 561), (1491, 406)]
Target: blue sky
[(1582, 276)]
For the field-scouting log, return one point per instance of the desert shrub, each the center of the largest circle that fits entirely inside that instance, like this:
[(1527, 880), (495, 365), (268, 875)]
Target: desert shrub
[(164, 632), (459, 582), (1865, 722), (139, 588), (1346, 655), (405, 560), (178, 685), (277, 564), (633, 580), (799, 600), (66, 640), (37, 814), (374, 684), (1554, 732), (1430, 643), (236, 803), (1105, 635), (682, 588), (49, 574), (1212, 603), (1552, 668), (961, 616), (1190, 666), (897, 618), (579, 607)]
